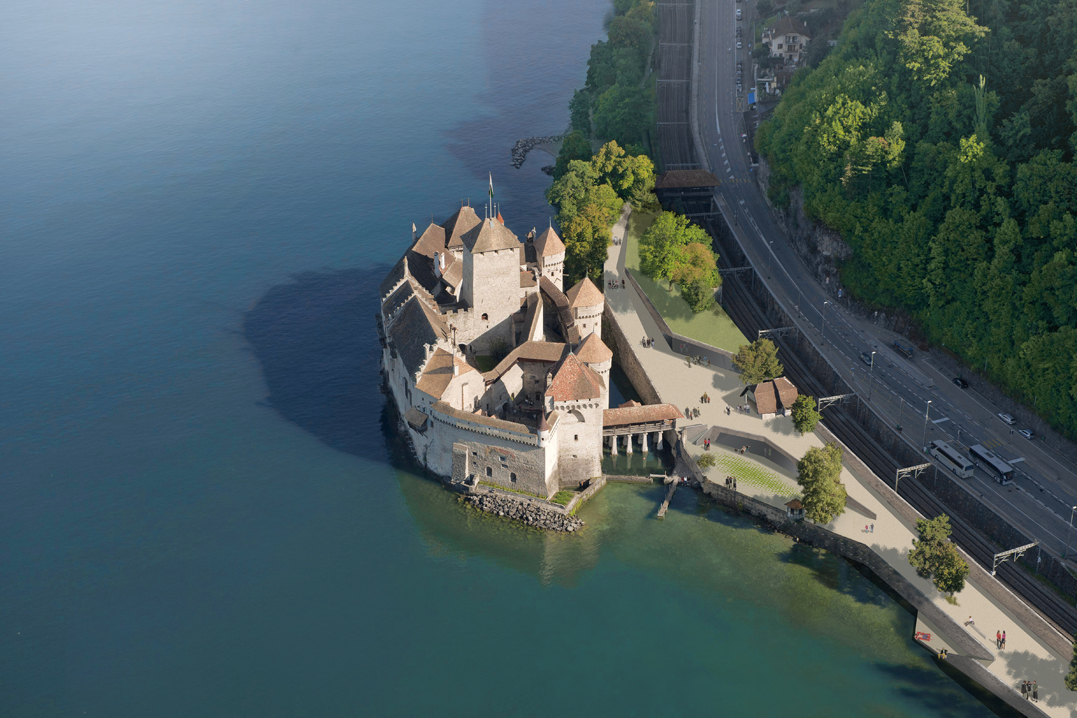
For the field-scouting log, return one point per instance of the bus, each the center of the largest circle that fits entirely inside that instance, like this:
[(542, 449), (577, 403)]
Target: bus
[(903, 349), (952, 459), (999, 469)]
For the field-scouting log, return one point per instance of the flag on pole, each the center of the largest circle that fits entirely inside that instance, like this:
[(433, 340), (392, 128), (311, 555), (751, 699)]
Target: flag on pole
[(491, 185)]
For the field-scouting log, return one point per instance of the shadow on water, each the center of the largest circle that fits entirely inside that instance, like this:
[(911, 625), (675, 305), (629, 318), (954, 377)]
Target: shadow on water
[(935, 690)]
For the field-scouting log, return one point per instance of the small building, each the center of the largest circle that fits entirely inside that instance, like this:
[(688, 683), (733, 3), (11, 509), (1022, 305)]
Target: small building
[(795, 510), (772, 398), (787, 38)]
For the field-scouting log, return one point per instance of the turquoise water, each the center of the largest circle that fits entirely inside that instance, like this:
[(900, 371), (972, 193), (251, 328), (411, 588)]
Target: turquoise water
[(202, 508)]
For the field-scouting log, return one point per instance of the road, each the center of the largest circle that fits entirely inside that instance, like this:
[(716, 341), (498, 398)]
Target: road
[(912, 394)]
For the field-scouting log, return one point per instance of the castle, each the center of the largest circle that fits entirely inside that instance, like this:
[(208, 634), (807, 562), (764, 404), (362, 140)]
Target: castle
[(464, 293)]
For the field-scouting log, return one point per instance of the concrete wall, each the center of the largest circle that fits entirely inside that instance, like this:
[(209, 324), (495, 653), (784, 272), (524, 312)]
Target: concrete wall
[(624, 353)]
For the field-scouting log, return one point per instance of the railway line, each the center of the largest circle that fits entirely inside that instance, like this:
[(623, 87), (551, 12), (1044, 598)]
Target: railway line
[(750, 318)]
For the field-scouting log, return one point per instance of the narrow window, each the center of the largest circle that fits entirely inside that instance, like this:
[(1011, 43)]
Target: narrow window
[(489, 471), (512, 477), (576, 437)]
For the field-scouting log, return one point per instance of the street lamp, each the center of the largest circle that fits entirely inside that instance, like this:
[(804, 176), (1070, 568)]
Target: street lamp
[(822, 321), (1066, 548), (871, 375), (900, 412), (923, 442)]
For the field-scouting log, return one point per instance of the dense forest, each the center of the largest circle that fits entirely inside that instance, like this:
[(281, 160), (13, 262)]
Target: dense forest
[(617, 102), (937, 137)]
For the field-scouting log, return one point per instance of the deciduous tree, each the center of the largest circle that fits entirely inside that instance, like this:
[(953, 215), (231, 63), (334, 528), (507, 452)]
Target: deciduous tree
[(758, 362), (935, 557), (819, 475), (805, 416)]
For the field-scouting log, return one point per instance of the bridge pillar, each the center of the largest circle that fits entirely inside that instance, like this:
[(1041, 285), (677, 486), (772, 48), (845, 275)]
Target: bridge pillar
[(628, 443), (613, 445), (643, 441), (658, 441)]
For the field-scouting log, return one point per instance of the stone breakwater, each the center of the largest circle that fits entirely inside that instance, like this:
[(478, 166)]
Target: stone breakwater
[(522, 147), (529, 513)]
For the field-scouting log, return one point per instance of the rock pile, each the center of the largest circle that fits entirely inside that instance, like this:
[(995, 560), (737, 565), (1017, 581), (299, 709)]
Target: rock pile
[(525, 511), (522, 147)]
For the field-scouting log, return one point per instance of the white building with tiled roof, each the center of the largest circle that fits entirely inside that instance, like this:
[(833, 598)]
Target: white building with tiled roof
[(468, 290)]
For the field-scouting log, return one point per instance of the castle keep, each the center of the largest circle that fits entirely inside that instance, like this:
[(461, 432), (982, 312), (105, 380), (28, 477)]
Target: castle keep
[(468, 291)]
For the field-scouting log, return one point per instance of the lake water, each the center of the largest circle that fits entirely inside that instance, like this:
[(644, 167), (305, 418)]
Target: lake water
[(203, 508)]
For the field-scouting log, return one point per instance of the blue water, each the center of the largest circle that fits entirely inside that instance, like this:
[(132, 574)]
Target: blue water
[(203, 508)]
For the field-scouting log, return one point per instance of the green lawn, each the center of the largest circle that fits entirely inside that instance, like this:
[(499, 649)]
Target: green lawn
[(712, 327), (748, 472), (563, 497)]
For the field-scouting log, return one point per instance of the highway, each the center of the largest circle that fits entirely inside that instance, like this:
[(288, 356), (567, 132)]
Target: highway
[(1041, 499)]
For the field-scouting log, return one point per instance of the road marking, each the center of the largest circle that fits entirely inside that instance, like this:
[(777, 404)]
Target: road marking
[(939, 421)]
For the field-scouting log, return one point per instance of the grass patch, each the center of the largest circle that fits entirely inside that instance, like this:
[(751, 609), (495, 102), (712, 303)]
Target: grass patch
[(515, 491), (748, 472), (712, 327), (563, 497), (486, 363)]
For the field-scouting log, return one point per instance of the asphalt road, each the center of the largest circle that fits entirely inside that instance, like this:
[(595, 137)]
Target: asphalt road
[(1045, 490)]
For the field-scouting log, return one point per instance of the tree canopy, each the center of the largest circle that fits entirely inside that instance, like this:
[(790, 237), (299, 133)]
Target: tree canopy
[(758, 362), (586, 210), (805, 415), (934, 556), (678, 251), (819, 475), (940, 146)]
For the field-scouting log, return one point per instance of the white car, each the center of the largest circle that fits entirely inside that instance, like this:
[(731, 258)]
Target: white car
[(1007, 419), (738, 44), (738, 13), (1027, 433)]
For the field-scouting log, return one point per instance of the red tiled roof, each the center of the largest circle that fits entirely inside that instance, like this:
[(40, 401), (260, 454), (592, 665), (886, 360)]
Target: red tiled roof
[(574, 381), (438, 374), (549, 352), (787, 393), (593, 350), (766, 399), (548, 244), (584, 294), (795, 505), (646, 414)]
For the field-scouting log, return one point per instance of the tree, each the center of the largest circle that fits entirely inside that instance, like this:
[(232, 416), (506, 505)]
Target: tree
[(574, 147), (624, 113), (661, 248), (935, 557), (805, 416), (586, 210), (819, 475), (579, 108), (631, 176), (758, 362), (1071, 677), (706, 461)]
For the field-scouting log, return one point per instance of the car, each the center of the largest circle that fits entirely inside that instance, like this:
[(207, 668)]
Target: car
[(738, 44), (961, 382), (1027, 433), (1007, 419), (738, 13), (866, 358)]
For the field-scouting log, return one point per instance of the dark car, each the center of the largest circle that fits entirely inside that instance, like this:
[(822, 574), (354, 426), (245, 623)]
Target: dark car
[(866, 358), (961, 382)]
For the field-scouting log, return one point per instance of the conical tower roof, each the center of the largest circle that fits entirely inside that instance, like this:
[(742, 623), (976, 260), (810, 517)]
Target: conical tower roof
[(584, 294)]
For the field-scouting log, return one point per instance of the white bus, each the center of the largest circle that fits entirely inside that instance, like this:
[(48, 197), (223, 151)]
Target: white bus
[(999, 469), (952, 459)]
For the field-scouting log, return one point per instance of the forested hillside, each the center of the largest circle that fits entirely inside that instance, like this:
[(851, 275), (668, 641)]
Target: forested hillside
[(940, 145)]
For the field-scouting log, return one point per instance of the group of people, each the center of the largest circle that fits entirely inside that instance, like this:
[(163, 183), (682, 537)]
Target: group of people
[(731, 483), (869, 528), (1030, 691), (1000, 639), (706, 444), (614, 284), (743, 409), (691, 412), (646, 342), (705, 399), (743, 449), (701, 360)]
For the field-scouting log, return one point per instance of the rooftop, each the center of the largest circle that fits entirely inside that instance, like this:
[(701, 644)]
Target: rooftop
[(640, 414), (574, 381), (437, 375), (593, 350), (584, 294)]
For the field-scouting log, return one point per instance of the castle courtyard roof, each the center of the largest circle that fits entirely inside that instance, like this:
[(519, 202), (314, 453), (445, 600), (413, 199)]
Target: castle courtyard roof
[(547, 352), (490, 236), (575, 381), (437, 375), (593, 350), (549, 244), (645, 414), (584, 294), (416, 326)]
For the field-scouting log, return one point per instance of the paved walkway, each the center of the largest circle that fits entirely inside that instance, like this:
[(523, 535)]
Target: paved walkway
[(682, 384)]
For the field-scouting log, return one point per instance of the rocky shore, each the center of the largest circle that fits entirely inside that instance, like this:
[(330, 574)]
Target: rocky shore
[(522, 147), (525, 511)]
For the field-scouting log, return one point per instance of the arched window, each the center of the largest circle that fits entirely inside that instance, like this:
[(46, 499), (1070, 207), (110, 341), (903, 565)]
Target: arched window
[(485, 317), (512, 477)]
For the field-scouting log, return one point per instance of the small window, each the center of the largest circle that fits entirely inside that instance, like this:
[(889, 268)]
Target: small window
[(512, 477), (486, 317), (576, 437), (489, 471)]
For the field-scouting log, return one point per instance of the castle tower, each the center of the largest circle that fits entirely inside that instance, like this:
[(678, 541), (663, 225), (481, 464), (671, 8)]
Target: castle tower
[(550, 257), (594, 353), (586, 303), (490, 285)]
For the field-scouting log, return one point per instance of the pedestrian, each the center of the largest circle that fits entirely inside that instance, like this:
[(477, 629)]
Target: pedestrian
[(998, 639), (1024, 690), (734, 483), (622, 284), (1035, 692), (970, 622), (1003, 639), (727, 411), (873, 528), (865, 528)]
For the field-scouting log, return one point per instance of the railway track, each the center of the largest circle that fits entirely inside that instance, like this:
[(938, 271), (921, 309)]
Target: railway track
[(749, 318)]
